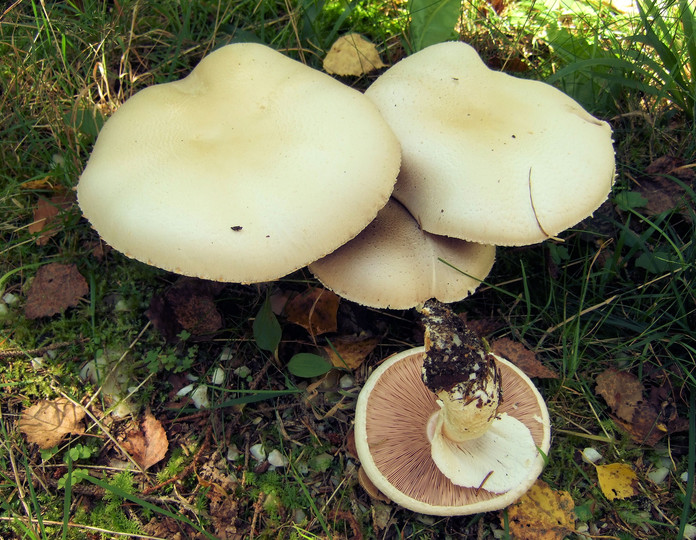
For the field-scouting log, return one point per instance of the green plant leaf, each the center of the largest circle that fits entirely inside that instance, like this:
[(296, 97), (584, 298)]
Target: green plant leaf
[(118, 492), (628, 200), (266, 328), (657, 262), (308, 365), (432, 21)]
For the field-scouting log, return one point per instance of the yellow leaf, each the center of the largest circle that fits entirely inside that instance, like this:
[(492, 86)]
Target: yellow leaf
[(352, 55), (617, 480), (542, 514), (350, 351)]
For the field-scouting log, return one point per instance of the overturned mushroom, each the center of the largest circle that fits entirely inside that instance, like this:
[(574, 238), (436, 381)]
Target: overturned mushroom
[(452, 429)]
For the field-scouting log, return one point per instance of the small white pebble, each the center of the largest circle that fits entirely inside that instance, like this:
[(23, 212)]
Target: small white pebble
[(37, 362), (257, 452), (10, 299), (658, 475), (277, 459), (191, 377), (226, 354), (299, 515), (121, 306), (200, 397), (218, 376), (185, 390), (347, 381), (591, 455), (233, 453), (690, 532), (242, 371), (684, 476)]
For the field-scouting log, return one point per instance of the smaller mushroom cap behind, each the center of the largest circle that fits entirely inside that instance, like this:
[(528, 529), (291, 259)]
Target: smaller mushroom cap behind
[(394, 264), (489, 157), (251, 167), (391, 439)]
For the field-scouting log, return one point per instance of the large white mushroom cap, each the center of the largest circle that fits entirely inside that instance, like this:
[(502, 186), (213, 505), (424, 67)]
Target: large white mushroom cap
[(249, 168), (489, 157)]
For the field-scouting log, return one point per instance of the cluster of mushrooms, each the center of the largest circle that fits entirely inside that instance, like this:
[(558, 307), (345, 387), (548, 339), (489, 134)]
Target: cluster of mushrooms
[(255, 165)]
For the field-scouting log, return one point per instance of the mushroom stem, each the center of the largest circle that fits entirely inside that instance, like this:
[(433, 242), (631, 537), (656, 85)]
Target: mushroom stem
[(461, 373)]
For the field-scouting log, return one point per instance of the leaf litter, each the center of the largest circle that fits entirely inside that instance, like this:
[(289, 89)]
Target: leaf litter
[(55, 288), (647, 420)]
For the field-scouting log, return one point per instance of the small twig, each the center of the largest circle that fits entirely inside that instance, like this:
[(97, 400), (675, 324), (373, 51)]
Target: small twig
[(16, 352), (18, 482), (118, 363), (257, 379), (102, 428), (258, 506), (246, 458), (84, 527), (201, 414)]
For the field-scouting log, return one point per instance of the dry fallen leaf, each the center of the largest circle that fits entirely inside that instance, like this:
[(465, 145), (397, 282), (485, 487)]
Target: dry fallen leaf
[(55, 288), (315, 310), (350, 351), (617, 480), (369, 487), (662, 192), (542, 514), (147, 445), (188, 305), (623, 392), (352, 55), (47, 422), (45, 216), (523, 358)]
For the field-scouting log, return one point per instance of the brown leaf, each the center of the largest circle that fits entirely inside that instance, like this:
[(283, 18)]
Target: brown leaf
[(315, 310), (482, 326), (542, 514), (621, 390), (644, 427), (45, 217), (369, 487), (663, 193), (148, 445), (55, 288), (47, 422), (643, 420), (350, 351), (523, 358), (188, 305)]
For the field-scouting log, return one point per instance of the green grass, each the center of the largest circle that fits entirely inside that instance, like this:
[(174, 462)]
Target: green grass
[(619, 290)]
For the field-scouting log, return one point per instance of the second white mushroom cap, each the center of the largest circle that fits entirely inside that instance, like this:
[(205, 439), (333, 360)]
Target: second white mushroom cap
[(488, 157)]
